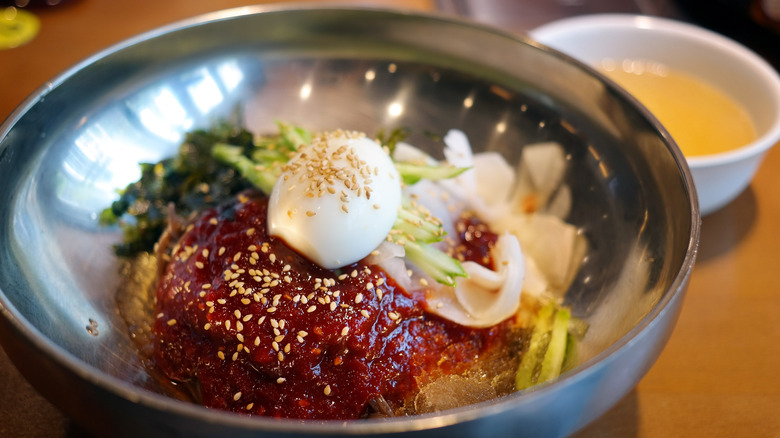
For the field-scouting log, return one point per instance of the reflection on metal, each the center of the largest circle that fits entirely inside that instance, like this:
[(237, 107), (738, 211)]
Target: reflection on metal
[(305, 91), (146, 127), (230, 75), (205, 92), (395, 109), (603, 168), (501, 92), (567, 126), (164, 115)]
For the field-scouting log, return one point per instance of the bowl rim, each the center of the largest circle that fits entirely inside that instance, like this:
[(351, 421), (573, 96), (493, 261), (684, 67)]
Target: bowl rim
[(627, 22), (139, 396)]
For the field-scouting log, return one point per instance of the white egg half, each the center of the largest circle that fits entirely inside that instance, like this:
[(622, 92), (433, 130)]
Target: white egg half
[(336, 199)]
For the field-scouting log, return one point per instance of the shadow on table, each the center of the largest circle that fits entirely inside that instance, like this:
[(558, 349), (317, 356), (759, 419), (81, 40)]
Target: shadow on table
[(723, 230), (622, 421)]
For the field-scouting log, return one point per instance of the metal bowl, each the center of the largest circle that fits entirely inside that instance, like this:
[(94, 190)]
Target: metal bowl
[(67, 149)]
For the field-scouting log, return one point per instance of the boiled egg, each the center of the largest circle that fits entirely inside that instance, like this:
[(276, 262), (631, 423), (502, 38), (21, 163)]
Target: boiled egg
[(336, 199)]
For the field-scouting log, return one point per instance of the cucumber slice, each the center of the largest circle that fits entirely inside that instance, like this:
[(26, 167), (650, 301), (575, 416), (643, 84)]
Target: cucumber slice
[(556, 350), (440, 266), (412, 173)]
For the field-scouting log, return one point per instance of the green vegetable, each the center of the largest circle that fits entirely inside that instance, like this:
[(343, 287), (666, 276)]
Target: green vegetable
[(417, 222), (548, 348), (556, 350), (390, 140), (440, 266), (412, 173), (527, 371), (259, 175)]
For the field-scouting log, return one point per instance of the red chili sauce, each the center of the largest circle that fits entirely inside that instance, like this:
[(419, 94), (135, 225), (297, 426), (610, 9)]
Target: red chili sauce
[(267, 332)]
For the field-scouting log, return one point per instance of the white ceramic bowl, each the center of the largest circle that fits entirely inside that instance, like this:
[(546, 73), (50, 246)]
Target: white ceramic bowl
[(724, 63)]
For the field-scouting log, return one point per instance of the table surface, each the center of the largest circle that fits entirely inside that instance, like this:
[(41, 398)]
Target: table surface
[(718, 375)]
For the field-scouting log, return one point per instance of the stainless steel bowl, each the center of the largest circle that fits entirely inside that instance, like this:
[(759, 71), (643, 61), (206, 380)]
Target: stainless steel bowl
[(65, 151)]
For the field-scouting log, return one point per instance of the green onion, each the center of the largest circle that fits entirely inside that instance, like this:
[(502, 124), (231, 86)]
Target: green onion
[(258, 174)]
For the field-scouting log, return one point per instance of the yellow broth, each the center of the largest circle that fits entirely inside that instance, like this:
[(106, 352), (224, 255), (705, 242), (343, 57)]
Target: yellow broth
[(702, 119)]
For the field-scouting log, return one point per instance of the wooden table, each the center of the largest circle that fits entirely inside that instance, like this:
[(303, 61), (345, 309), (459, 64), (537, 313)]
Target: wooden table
[(717, 377)]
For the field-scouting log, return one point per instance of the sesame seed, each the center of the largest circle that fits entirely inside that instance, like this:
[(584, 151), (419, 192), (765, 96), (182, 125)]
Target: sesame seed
[(240, 337), (332, 306), (221, 251), (364, 312), (237, 396), (275, 345), (327, 390), (358, 298), (393, 315), (207, 326), (281, 380), (287, 348), (311, 309), (310, 213), (171, 322), (344, 331), (280, 356), (302, 334), (250, 406), (271, 310)]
